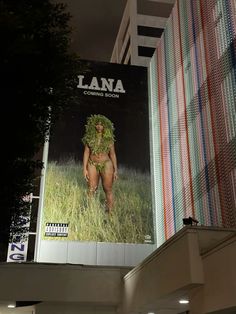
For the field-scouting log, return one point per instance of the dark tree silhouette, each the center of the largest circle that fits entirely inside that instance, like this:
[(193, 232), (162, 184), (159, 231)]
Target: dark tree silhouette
[(37, 84)]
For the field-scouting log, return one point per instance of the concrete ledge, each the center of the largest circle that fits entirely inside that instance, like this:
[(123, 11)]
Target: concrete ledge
[(171, 271), (53, 282)]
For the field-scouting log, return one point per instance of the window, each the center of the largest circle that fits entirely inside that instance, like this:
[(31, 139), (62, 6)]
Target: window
[(150, 31), (145, 51), (125, 52)]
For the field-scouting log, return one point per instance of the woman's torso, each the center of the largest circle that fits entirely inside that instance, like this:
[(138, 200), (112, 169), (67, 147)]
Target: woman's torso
[(100, 152), (99, 157)]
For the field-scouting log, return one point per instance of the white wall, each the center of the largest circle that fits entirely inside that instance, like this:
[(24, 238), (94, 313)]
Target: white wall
[(93, 253)]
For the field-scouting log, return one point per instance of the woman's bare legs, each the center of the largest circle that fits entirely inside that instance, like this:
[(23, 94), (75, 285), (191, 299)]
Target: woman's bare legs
[(107, 181), (93, 179)]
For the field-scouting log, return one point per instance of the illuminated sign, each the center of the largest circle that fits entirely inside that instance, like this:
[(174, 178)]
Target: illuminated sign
[(102, 84), (17, 252), (100, 186)]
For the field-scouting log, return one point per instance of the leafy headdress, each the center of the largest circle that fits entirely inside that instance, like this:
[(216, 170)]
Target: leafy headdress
[(90, 138)]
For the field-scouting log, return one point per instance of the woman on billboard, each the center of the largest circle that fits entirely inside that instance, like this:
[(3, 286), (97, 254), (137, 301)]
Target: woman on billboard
[(99, 160)]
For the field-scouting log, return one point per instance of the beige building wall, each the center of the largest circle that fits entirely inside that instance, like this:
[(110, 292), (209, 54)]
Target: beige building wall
[(197, 264), (149, 13), (218, 295)]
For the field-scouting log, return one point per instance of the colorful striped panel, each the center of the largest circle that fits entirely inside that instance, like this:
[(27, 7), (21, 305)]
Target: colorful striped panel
[(192, 88)]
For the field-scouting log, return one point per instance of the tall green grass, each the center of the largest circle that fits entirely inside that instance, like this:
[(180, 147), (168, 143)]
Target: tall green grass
[(66, 201)]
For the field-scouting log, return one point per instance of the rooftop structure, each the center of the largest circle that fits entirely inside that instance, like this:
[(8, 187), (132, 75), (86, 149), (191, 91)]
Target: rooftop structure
[(140, 30)]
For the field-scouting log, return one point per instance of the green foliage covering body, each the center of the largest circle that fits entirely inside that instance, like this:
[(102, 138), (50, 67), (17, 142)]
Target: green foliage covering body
[(90, 138)]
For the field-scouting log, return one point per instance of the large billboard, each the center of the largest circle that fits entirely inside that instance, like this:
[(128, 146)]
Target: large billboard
[(97, 185)]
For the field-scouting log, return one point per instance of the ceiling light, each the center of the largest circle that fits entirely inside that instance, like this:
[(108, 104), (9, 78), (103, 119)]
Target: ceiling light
[(11, 306), (183, 301)]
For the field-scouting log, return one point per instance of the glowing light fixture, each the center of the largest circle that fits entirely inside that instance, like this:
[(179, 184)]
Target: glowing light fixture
[(11, 306), (183, 301)]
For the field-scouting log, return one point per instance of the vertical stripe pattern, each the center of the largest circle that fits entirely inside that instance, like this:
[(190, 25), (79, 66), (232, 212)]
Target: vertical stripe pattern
[(192, 88)]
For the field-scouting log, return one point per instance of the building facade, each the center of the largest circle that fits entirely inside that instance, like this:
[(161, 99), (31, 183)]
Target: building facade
[(193, 117), (141, 28), (197, 265), (192, 95)]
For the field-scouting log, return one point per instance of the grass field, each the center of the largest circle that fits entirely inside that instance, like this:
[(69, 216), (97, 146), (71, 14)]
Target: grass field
[(66, 201)]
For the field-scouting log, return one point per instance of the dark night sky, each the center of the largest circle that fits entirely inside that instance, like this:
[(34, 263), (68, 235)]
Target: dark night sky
[(95, 26)]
